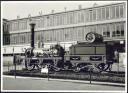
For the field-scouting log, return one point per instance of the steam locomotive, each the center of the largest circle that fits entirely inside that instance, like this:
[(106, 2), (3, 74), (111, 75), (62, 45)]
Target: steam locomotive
[(82, 56), (92, 54)]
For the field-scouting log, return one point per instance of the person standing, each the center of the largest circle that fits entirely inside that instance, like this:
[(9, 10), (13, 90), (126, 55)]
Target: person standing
[(116, 56)]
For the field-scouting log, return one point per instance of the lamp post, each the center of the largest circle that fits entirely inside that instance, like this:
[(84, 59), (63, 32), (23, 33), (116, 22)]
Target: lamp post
[(32, 27)]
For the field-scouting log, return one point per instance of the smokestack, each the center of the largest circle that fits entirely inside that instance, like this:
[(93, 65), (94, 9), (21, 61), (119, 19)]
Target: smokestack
[(32, 26)]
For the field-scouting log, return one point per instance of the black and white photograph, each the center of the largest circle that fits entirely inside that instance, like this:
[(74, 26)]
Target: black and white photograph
[(64, 46)]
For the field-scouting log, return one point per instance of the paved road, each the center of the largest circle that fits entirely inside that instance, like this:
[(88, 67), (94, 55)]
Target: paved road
[(23, 83)]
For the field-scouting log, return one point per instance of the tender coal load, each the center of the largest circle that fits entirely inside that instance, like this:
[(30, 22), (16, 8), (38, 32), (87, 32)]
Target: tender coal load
[(94, 37)]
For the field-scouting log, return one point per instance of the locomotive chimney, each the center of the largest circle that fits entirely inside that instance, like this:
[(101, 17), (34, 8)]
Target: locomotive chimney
[(32, 26)]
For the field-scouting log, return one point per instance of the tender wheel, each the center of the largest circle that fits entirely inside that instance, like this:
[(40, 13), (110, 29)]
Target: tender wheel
[(77, 69), (56, 69), (67, 65), (80, 67), (103, 66)]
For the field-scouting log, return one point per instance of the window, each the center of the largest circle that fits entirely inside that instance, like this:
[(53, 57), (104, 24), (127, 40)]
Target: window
[(66, 34), (87, 16), (22, 38), (68, 18), (10, 27), (122, 29), (61, 19), (103, 13), (13, 26), (82, 15), (45, 21), (113, 11), (117, 11), (79, 16), (48, 20), (90, 15), (51, 20), (99, 13), (118, 30), (107, 12), (106, 30), (113, 30), (99, 29), (121, 11), (94, 14), (71, 17), (64, 18), (75, 17)]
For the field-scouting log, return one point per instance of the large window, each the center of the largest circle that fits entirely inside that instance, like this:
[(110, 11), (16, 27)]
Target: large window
[(118, 30)]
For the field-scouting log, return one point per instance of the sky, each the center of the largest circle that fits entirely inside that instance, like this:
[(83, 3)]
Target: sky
[(10, 10)]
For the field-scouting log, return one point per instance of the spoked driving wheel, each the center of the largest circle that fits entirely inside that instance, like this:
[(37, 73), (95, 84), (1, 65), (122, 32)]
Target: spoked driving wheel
[(29, 65), (103, 66)]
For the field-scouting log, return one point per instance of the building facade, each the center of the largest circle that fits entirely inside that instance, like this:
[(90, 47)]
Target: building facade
[(71, 26)]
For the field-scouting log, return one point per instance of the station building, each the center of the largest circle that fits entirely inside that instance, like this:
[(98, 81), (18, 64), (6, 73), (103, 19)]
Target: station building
[(68, 27)]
